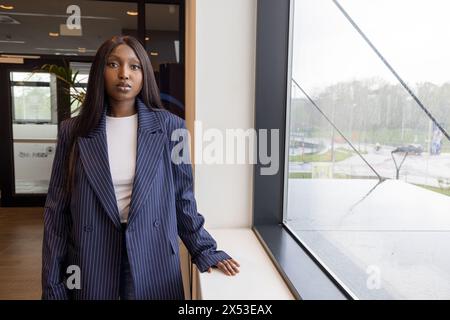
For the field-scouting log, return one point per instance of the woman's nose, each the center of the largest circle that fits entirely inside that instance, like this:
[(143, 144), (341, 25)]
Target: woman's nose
[(123, 74)]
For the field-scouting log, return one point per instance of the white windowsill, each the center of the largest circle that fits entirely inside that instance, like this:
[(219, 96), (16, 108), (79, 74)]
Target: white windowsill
[(258, 278)]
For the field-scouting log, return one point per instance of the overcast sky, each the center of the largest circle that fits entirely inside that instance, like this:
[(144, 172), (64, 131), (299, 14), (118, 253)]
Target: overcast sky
[(413, 35)]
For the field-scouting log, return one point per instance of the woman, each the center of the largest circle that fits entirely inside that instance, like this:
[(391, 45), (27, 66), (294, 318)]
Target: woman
[(117, 202)]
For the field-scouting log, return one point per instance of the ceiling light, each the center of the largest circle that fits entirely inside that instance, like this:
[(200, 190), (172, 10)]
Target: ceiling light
[(132, 13), (11, 41), (53, 34), (154, 53), (147, 38), (11, 60), (6, 7), (19, 56)]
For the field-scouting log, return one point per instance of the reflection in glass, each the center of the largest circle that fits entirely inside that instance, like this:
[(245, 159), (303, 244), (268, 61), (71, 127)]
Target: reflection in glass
[(162, 42)]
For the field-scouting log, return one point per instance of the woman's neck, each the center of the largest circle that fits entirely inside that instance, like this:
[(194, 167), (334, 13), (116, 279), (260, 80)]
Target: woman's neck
[(121, 108)]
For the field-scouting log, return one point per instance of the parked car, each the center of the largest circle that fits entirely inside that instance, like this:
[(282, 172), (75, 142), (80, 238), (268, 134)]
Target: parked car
[(415, 149)]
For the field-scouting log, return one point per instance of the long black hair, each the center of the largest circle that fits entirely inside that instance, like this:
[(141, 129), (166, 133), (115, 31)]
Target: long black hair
[(94, 102)]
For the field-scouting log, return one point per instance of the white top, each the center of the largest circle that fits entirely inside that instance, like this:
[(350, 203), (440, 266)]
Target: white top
[(121, 134)]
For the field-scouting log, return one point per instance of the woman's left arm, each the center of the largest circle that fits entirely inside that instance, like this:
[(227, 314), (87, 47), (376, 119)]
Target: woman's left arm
[(200, 244)]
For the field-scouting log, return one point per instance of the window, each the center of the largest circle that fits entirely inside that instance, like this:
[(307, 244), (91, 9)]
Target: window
[(31, 94), (78, 91), (368, 156), (358, 89)]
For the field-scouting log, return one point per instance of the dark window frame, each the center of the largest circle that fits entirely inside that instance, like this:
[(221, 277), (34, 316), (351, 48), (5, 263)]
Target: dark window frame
[(303, 273)]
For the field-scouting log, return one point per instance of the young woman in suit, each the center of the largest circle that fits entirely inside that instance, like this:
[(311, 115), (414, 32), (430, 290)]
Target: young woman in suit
[(117, 202)]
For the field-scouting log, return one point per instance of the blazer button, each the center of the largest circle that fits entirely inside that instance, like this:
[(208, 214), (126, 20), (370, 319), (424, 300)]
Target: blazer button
[(156, 223), (87, 228)]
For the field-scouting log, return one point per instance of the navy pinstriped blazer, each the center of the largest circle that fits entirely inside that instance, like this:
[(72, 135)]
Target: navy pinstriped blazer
[(83, 228)]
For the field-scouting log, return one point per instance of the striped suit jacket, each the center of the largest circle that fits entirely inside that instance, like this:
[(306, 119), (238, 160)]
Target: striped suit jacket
[(83, 228)]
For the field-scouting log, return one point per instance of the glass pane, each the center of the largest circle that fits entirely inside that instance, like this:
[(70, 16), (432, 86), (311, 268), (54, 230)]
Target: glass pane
[(163, 33), (33, 161), (34, 130), (369, 170), (162, 43), (31, 104), (78, 92)]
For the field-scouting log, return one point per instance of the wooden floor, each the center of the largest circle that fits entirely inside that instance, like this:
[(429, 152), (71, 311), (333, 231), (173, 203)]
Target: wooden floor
[(21, 232)]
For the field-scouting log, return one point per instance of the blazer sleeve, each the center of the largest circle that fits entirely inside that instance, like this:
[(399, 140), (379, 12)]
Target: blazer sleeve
[(56, 225), (190, 223)]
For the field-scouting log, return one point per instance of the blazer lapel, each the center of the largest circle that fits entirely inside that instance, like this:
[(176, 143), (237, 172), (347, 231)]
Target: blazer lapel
[(150, 144), (94, 157)]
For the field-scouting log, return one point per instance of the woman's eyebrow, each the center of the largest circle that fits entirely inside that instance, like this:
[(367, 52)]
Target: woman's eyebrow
[(132, 60), (112, 56)]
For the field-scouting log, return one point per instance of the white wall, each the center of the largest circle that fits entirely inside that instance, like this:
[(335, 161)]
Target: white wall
[(224, 99)]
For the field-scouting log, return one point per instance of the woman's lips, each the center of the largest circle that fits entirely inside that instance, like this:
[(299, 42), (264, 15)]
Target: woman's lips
[(123, 87)]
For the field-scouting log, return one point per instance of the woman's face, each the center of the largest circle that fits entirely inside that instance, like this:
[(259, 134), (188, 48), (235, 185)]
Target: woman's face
[(123, 74)]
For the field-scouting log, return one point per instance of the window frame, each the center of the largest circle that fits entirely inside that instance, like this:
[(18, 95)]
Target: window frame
[(302, 271)]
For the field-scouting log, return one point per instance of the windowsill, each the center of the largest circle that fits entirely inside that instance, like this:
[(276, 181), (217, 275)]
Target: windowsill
[(258, 277)]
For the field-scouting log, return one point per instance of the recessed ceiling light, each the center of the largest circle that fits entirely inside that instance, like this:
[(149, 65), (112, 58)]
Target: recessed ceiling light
[(6, 6), (19, 56), (11, 41), (154, 53), (147, 38), (53, 34), (132, 13)]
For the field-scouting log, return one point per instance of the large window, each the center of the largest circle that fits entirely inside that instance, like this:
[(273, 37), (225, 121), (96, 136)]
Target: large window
[(367, 180)]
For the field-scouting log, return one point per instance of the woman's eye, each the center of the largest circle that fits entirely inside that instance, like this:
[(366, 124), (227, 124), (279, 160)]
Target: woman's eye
[(135, 67), (112, 64)]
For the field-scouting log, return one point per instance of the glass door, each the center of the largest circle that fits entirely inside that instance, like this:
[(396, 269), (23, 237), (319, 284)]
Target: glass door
[(31, 110), (34, 130)]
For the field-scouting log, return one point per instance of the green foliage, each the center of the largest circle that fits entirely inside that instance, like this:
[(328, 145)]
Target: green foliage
[(340, 154), (444, 191), (64, 73)]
